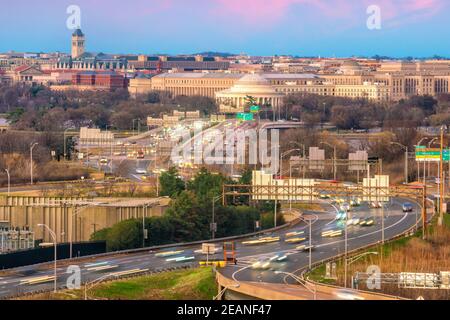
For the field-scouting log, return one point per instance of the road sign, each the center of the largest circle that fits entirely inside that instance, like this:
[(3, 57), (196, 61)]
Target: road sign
[(424, 154), (243, 116), (254, 109)]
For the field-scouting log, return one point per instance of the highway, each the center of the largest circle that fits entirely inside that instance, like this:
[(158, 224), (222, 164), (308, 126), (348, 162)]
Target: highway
[(20, 280)]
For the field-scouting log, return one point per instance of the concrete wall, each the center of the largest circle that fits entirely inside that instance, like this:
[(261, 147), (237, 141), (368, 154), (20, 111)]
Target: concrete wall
[(65, 220)]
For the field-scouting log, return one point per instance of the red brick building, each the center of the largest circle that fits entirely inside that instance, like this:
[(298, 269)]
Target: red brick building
[(99, 80)]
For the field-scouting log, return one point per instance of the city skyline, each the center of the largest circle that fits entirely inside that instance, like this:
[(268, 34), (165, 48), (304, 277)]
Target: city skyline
[(292, 27)]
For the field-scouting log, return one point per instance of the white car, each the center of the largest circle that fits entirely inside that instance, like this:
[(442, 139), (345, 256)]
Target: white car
[(141, 171), (345, 294)]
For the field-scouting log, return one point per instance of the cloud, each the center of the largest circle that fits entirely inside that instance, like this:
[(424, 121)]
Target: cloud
[(272, 11)]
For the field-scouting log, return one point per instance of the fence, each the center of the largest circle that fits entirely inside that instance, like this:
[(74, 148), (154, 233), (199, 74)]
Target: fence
[(42, 255)]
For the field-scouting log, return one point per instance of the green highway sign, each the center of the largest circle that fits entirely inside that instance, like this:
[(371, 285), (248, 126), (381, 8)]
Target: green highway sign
[(254, 109), (243, 116), (424, 154)]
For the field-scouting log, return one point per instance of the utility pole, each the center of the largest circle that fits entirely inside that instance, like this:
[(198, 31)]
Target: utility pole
[(406, 165), (31, 160), (441, 180)]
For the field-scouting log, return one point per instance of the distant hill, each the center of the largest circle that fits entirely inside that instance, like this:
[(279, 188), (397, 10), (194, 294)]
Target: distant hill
[(215, 54)]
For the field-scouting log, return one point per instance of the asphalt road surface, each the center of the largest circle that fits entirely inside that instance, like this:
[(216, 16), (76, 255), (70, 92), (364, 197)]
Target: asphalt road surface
[(396, 222)]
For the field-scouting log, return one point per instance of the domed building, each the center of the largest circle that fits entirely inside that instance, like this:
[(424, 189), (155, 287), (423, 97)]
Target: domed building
[(250, 87), (350, 67)]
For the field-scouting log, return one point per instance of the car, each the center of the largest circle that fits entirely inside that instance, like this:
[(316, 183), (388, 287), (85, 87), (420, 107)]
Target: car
[(407, 207), (341, 215), (346, 294), (294, 234), (261, 264), (295, 240), (279, 257), (367, 222), (141, 171), (104, 161), (346, 206), (304, 248), (375, 205), (331, 233)]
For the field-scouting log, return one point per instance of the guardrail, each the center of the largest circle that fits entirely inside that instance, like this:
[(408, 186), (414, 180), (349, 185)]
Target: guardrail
[(160, 247), (127, 274), (355, 252)]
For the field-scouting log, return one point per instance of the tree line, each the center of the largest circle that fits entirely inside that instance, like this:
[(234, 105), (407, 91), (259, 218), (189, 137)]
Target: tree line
[(189, 215)]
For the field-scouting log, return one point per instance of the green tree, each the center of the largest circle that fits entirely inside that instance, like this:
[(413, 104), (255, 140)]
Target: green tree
[(124, 235), (188, 218), (206, 186), (170, 183)]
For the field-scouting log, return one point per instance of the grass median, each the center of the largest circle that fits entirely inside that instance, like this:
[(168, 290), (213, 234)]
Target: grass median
[(192, 284)]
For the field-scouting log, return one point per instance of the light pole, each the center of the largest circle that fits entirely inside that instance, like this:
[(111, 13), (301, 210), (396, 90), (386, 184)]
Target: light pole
[(139, 124), (31, 159), (74, 222), (65, 144), (110, 151), (300, 281), (350, 261), (290, 172), (334, 158), (213, 224), (308, 221), (406, 159), (429, 146), (284, 155), (53, 235), (418, 164), (294, 143), (346, 249), (9, 181), (144, 235)]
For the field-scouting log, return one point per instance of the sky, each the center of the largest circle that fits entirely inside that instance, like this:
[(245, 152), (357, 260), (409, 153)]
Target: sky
[(330, 28)]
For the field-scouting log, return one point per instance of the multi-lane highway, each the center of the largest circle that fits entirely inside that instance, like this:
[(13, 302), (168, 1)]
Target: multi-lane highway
[(27, 279)]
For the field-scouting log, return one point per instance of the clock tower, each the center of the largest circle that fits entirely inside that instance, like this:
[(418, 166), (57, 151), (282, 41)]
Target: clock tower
[(77, 43)]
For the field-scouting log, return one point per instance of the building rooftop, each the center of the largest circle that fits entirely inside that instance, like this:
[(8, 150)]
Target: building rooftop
[(267, 76), (198, 75), (77, 33)]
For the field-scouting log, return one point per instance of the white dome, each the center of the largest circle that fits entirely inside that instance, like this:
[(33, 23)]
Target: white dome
[(252, 84)]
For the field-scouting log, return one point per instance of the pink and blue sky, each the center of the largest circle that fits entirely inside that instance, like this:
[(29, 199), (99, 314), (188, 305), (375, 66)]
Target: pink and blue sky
[(258, 27)]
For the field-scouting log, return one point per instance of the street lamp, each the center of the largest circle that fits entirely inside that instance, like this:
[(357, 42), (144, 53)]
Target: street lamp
[(284, 155), (9, 181), (139, 124), (308, 221), (418, 164), (294, 143), (31, 159), (406, 159), (213, 224), (53, 235), (334, 158), (144, 215), (65, 144), (429, 146), (300, 281), (346, 248), (349, 261), (74, 223)]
